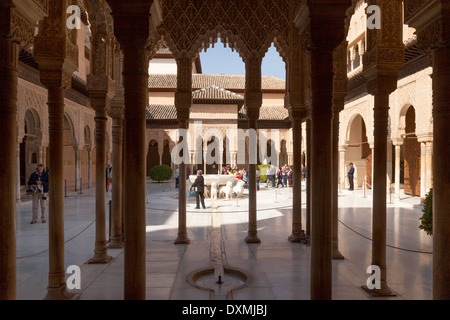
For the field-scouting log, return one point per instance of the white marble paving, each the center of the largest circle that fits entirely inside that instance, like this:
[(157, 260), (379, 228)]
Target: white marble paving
[(279, 269)]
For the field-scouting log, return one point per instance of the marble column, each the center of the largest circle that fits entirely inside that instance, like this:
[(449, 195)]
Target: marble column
[(117, 187), (100, 99), (343, 171), (297, 179), (56, 69), (183, 101), (18, 195), (382, 87), (322, 75), (338, 105), (308, 178), (77, 150), (423, 169), (441, 172), (340, 90), (134, 19), (253, 102), (429, 165), (298, 112), (397, 171), (89, 153), (9, 54)]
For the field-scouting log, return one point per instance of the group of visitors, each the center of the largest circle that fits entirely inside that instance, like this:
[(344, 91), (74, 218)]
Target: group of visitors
[(283, 176)]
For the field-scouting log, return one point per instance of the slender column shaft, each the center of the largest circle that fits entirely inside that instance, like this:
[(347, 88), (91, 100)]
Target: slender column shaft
[(89, 150), (429, 164), (308, 178), (336, 253), (182, 197), (56, 277), (381, 113), (77, 168), (397, 172), (8, 141), (116, 201), (18, 197), (423, 168), (252, 234), (135, 77), (297, 181), (441, 174), (101, 255), (322, 173)]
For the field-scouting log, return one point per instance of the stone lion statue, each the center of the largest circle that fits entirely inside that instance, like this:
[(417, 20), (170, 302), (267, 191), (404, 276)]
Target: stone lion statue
[(213, 191), (238, 189), (227, 191)]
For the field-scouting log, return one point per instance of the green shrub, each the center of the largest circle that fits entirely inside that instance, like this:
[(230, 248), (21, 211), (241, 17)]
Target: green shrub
[(161, 173), (263, 172), (426, 221)]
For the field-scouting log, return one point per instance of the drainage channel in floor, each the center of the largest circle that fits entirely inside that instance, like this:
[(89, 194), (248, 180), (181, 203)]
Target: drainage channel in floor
[(220, 280)]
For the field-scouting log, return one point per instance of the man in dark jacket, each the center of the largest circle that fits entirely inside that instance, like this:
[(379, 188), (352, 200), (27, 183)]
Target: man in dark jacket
[(350, 174), (38, 186), (200, 185)]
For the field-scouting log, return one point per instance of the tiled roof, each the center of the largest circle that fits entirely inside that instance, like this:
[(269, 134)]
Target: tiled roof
[(199, 81), (161, 112), (215, 92), (267, 112)]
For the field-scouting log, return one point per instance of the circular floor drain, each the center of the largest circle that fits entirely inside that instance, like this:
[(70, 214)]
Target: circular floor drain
[(206, 279)]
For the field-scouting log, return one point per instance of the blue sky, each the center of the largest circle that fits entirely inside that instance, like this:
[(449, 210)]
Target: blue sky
[(220, 60)]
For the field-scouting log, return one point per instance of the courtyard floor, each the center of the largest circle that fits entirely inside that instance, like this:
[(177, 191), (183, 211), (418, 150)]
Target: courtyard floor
[(278, 269)]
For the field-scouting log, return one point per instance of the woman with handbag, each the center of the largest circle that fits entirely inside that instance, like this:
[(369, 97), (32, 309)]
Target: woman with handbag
[(38, 187)]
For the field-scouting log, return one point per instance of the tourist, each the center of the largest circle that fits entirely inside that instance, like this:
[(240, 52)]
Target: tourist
[(290, 176), (108, 176), (304, 173), (350, 174), (280, 177), (199, 186), (177, 178), (38, 187), (213, 170), (258, 177), (284, 174)]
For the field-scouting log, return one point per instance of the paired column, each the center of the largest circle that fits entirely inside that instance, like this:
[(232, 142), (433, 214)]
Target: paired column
[(253, 102), (423, 168), (99, 90), (397, 171), (9, 54), (133, 19), (77, 150), (298, 112), (56, 74), (324, 42), (429, 164), (308, 179), (117, 189), (89, 151), (340, 89), (381, 71), (183, 101), (18, 196)]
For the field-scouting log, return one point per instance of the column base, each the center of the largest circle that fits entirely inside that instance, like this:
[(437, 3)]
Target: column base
[(252, 237), (295, 237), (385, 291), (116, 243), (337, 255), (61, 293), (182, 239), (100, 258)]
